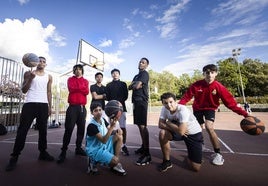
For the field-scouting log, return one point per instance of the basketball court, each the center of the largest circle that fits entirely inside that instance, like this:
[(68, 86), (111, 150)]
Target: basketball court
[(246, 159)]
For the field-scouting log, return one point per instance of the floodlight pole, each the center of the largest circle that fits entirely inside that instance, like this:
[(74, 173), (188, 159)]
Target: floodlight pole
[(236, 53)]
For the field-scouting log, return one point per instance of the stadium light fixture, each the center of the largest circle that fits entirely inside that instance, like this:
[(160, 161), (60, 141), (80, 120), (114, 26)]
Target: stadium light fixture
[(236, 53)]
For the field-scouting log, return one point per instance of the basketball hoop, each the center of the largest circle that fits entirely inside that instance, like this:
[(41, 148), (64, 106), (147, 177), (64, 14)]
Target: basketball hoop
[(90, 55), (98, 65)]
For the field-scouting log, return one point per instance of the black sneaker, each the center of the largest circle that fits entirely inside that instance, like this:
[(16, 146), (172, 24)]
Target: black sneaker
[(45, 156), (124, 150), (144, 160), (80, 152), (165, 166), (61, 157), (12, 163), (140, 150)]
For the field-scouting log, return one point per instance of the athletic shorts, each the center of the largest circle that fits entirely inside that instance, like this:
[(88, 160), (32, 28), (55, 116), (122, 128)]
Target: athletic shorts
[(207, 114), (104, 155), (194, 144), (122, 121), (140, 109)]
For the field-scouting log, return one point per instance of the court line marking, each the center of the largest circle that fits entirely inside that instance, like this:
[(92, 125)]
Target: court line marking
[(230, 151), (225, 145), (155, 148)]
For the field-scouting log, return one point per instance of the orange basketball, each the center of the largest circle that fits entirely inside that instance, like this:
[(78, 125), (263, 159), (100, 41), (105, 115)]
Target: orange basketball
[(252, 125)]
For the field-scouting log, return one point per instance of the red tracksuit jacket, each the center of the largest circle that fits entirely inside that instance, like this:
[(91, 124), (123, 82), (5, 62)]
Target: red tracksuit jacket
[(78, 90), (207, 97)]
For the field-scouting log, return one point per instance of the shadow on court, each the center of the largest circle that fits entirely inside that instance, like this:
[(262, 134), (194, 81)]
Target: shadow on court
[(246, 160)]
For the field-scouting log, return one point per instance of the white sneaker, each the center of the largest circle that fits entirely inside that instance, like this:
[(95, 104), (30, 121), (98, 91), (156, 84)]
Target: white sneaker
[(119, 169), (217, 159)]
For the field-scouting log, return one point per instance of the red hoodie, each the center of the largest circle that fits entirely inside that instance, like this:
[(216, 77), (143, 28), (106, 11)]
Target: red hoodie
[(207, 97), (78, 90)]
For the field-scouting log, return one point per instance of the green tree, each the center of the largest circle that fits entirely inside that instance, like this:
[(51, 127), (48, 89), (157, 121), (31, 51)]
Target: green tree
[(257, 77), (197, 76), (253, 72), (254, 75), (228, 75), (154, 85), (162, 82), (184, 82)]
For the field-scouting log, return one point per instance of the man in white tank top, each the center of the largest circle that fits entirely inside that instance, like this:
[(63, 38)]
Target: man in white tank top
[(37, 85)]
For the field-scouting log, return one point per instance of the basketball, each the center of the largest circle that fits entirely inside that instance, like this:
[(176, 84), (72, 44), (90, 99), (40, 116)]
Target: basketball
[(30, 60), (113, 109), (252, 125)]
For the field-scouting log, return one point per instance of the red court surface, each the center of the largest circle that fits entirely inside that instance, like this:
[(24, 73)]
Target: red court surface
[(246, 160)]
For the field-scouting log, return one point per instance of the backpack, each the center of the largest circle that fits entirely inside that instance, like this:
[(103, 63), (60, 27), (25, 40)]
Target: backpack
[(3, 129)]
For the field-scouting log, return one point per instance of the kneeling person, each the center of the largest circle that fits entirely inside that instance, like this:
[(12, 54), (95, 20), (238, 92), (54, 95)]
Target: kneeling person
[(178, 123), (103, 144)]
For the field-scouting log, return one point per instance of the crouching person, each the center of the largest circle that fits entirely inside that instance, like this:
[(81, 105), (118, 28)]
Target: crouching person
[(176, 123), (103, 144)]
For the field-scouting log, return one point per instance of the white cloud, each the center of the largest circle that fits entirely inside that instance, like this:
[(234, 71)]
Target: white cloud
[(64, 69), (146, 15), (135, 11), (242, 36), (236, 12), (130, 40), (113, 59), (168, 26), (232, 34), (18, 38), (105, 43), (198, 56), (153, 7), (218, 47), (125, 43), (22, 2), (169, 30), (127, 25), (136, 34)]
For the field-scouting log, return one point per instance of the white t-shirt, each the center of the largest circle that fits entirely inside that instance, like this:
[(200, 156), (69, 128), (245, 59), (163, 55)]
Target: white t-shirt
[(182, 115), (38, 90)]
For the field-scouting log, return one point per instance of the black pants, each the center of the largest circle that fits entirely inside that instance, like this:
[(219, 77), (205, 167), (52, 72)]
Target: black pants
[(29, 112), (75, 114)]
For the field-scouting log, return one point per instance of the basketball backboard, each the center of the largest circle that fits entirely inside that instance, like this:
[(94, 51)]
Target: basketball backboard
[(90, 55)]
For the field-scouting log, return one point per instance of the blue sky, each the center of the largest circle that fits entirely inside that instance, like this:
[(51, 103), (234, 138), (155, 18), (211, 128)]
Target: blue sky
[(175, 35)]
